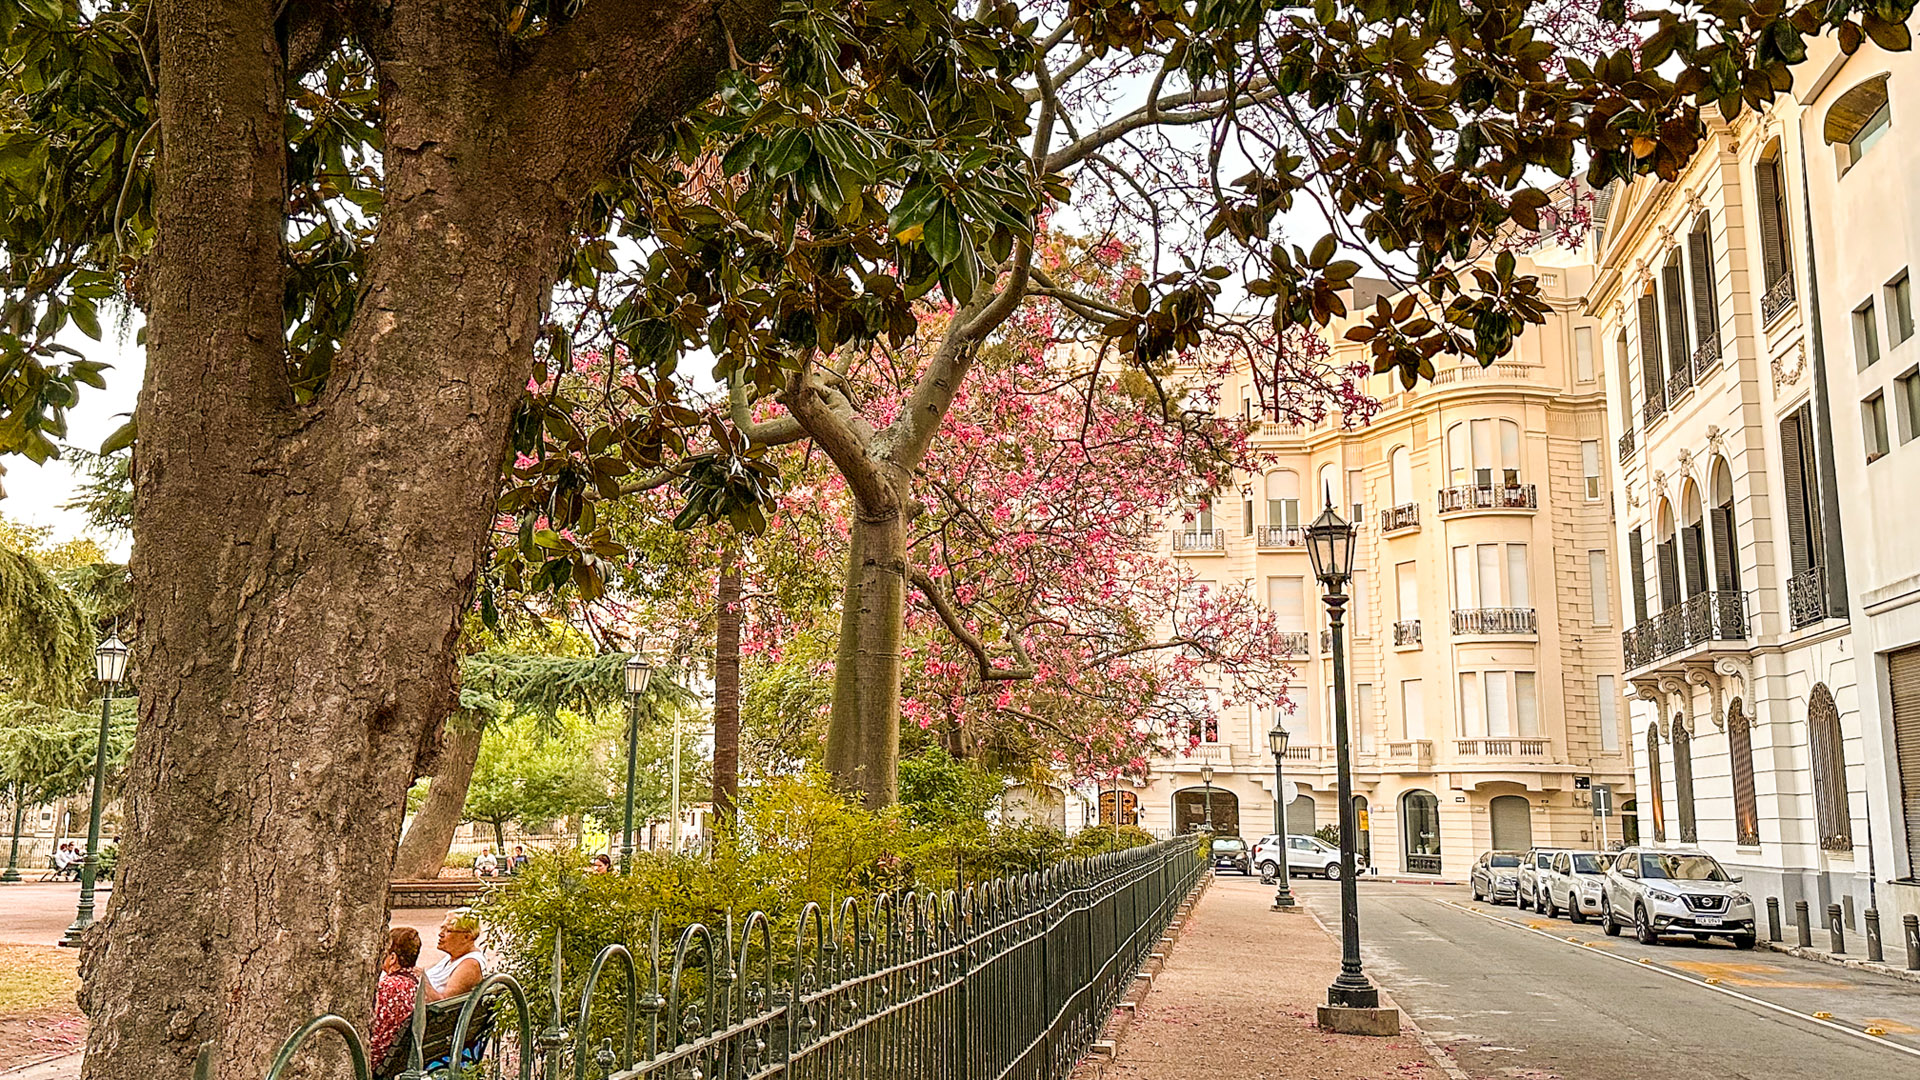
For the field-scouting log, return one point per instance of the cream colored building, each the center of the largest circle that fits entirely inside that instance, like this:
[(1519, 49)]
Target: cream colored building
[(1483, 645), (1770, 568)]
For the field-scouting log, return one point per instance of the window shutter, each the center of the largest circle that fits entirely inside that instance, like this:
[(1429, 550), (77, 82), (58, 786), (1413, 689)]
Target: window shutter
[(1706, 308), (1831, 809), (1683, 783), (1694, 549), (1653, 784), (1637, 570), (1651, 376), (1903, 672), (1773, 232), (1793, 437), (1679, 356), (1746, 806), (1668, 554), (1726, 560)]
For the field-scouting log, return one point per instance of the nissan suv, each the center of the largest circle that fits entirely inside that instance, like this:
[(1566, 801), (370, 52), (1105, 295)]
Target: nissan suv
[(1675, 891)]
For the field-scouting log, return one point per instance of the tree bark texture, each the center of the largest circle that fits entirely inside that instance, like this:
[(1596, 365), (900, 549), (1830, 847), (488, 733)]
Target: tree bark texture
[(863, 729), (304, 567), (726, 693), (423, 850)]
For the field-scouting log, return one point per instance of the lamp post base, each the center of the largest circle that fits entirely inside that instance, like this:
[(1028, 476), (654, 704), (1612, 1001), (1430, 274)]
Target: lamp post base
[(1348, 1020), (1353, 992), (1286, 905)]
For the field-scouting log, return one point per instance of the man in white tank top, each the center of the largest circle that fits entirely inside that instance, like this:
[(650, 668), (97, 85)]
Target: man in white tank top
[(464, 965)]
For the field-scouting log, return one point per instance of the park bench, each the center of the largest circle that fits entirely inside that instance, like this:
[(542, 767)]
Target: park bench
[(437, 1040)]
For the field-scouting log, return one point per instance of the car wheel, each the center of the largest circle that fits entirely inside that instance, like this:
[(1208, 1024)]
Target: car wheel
[(1475, 886), (1607, 922), (1519, 900), (1269, 869), (1332, 872), (1574, 911), (1745, 941), (1552, 909), (1643, 927)]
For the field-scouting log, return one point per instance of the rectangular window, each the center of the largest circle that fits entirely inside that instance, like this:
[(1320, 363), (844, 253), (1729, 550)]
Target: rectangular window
[(1906, 400), (1287, 597), (1609, 714), (1408, 582), (1482, 432), (1361, 620), (1526, 704), (1473, 721), (1873, 424), (1899, 309), (1509, 452), (1518, 594), (1583, 353), (1801, 481), (1490, 573), (1356, 493), (1246, 517), (1590, 467), (1866, 336), (1363, 717), (1413, 718), (1463, 577), (1499, 704), (1599, 588)]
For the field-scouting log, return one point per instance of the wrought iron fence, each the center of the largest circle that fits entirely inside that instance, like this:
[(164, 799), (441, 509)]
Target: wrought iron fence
[(1488, 497), (1496, 621), (1626, 444), (1706, 358), (1701, 618), (1277, 536), (1404, 516), (1806, 595), (1777, 299), (1011, 979), (1680, 382), (1407, 633)]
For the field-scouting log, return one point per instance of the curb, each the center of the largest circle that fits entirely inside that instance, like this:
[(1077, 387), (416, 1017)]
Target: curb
[(1824, 957), (47, 1068), (1093, 1064)]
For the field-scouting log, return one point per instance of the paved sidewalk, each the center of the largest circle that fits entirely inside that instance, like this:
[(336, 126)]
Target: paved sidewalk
[(1236, 1000)]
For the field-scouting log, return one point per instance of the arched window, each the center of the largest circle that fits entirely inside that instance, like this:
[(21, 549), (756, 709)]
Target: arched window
[(1459, 457), (1283, 499), (1363, 828), (1776, 253), (1509, 452), (1327, 490), (1683, 783), (1746, 807), (1857, 120), (1667, 555), (1829, 772), (1657, 800), (1420, 831), (1400, 464), (1693, 541), (1706, 300), (1726, 540), (1674, 309)]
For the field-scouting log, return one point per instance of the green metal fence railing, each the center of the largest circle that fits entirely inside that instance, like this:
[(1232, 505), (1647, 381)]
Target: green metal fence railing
[(1012, 979)]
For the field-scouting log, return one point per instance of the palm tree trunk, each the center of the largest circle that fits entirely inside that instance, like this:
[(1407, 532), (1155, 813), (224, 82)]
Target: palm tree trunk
[(726, 694)]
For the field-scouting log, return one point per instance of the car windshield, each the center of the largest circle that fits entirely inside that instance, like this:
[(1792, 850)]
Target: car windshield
[(1589, 864), (1505, 860), (1230, 843), (1681, 867)]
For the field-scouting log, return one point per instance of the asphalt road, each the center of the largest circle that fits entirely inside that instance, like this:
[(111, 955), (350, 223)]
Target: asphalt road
[(1511, 997)]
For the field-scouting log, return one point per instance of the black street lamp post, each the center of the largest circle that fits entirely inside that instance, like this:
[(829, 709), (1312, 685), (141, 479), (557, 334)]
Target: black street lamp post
[(1277, 742), (639, 674), (110, 666), (1206, 777), (1330, 544)]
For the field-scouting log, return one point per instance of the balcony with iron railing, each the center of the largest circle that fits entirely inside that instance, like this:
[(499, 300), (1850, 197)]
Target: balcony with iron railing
[(1706, 359), (1778, 299), (1406, 633), (1202, 541), (1502, 747), (1288, 536), (1655, 406), (1626, 445), (1680, 382), (1495, 622), (1456, 500), (1326, 643), (1699, 621), (1404, 516), (1807, 597), (1293, 643)]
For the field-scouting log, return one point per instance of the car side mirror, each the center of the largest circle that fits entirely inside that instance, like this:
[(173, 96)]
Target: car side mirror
[(1738, 878)]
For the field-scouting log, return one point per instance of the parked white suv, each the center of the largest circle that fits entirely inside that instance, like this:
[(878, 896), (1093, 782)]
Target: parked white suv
[(1305, 855), (1573, 882), (1533, 878), (1675, 891)]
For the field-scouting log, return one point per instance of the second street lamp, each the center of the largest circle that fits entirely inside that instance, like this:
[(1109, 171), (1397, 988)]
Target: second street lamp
[(639, 675), (1277, 742), (1330, 544), (110, 666)]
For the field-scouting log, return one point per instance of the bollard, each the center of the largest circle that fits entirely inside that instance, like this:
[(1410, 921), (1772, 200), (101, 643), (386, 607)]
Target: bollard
[(1910, 924), (1874, 952), (1803, 923), (1836, 930), (1773, 918)]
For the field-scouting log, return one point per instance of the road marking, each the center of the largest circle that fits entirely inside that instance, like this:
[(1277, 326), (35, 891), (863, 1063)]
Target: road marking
[(1756, 974), (1885, 1025), (1814, 1018)]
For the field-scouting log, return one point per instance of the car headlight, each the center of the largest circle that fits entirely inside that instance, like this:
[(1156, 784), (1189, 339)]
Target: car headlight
[(1741, 898), (1663, 897)]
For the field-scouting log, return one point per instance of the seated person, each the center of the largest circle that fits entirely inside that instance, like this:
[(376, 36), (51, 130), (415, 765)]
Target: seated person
[(487, 865), (601, 864), (67, 860), (464, 966), (393, 1001)]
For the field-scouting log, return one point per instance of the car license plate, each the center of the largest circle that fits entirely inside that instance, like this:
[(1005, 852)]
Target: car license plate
[(1707, 920)]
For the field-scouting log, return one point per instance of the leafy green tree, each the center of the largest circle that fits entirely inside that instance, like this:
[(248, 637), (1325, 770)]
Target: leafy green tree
[(358, 231), (47, 754)]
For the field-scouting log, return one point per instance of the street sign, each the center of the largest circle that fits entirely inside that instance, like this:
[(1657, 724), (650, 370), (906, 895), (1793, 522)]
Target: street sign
[(1602, 801), (1289, 791), (1363, 821)]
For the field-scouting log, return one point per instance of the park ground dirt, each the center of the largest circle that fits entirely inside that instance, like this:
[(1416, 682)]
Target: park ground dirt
[(38, 1015)]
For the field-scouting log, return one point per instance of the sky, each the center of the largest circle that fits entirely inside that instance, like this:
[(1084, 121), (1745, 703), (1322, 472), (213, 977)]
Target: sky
[(35, 492)]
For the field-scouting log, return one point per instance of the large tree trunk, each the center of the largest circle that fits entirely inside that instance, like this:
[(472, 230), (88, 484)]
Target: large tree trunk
[(726, 693), (863, 730), (305, 566), (423, 850)]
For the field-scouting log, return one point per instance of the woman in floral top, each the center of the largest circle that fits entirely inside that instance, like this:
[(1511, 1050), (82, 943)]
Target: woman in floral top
[(393, 1001)]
